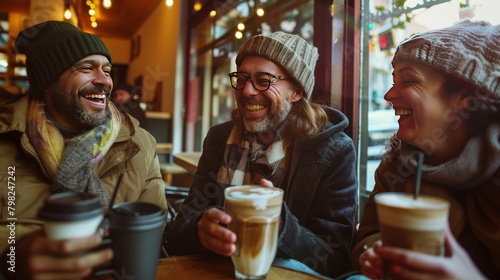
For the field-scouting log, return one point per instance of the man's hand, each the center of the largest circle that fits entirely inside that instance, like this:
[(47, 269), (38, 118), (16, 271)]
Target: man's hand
[(213, 233), (269, 184), (266, 183), (44, 258)]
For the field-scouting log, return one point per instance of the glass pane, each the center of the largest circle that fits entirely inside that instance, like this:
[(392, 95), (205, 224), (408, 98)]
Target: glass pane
[(3, 62), (4, 29), (384, 27), (214, 49)]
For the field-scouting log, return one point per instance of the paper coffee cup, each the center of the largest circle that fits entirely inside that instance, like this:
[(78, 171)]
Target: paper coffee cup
[(71, 215), (136, 232)]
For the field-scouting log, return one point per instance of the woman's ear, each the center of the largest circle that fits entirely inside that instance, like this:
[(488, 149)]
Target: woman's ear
[(463, 99)]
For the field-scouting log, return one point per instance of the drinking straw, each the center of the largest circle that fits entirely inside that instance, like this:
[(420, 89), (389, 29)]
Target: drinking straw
[(418, 181), (115, 191)]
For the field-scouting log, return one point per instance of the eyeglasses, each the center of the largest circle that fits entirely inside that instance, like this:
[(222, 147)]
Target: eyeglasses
[(261, 81)]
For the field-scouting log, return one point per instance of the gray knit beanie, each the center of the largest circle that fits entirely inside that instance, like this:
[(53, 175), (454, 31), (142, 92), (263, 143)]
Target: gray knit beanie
[(51, 47), (467, 50), (289, 51)]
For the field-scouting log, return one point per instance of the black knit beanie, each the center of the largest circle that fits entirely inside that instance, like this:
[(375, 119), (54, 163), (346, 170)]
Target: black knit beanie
[(51, 47)]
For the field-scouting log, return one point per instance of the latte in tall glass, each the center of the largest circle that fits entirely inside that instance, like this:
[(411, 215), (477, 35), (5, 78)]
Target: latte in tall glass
[(255, 212)]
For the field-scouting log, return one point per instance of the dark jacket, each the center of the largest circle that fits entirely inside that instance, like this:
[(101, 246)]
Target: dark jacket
[(134, 109), (320, 200)]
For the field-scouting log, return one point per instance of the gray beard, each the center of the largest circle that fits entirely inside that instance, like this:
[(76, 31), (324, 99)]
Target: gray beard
[(89, 120), (271, 122)]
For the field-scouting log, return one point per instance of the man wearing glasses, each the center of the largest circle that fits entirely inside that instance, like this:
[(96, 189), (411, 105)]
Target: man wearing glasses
[(276, 138)]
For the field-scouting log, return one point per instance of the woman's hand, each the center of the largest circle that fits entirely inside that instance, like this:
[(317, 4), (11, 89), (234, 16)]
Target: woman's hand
[(406, 264), (412, 265), (214, 235), (371, 263)]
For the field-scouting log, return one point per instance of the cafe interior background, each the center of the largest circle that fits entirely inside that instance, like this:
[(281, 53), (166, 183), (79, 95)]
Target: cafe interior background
[(178, 54)]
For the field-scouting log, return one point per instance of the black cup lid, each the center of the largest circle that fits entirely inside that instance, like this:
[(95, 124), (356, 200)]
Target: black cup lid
[(70, 206), (136, 209)]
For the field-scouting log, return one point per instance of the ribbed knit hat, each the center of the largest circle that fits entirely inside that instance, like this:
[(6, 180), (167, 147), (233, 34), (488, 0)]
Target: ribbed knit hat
[(467, 50), (289, 51), (51, 47)]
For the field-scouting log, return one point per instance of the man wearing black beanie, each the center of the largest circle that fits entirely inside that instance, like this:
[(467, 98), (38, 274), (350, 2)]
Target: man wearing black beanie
[(65, 136)]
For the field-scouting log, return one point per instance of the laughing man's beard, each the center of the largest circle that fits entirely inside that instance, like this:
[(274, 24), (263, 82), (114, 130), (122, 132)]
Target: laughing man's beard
[(90, 120), (272, 121)]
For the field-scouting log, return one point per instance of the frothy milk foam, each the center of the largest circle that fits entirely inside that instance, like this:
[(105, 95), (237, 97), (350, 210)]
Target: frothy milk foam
[(256, 212), (258, 196), (401, 210)]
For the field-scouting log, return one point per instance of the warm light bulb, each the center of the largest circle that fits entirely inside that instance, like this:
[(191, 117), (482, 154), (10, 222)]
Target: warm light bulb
[(197, 6), (169, 3), (241, 26), (67, 14), (106, 4), (260, 12), (92, 12), (94, 24), (213, 13), (238, 35)]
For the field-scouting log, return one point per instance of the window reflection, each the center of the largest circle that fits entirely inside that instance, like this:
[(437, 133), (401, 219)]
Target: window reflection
[(385, 28), (214, 48)]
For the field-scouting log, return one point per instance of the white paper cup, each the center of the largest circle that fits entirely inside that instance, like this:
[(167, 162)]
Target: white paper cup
[(71, 215)]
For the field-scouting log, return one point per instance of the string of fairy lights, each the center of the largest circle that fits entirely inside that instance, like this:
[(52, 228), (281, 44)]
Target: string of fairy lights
[(169, 3), (92, 10)]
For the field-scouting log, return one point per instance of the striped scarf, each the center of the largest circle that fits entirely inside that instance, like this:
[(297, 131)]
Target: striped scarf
[(249, 157), (70, 161)]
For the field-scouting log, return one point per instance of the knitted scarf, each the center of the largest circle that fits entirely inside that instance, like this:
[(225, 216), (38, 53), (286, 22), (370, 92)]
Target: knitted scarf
[(249, 157), (476, 169), (69, 162)]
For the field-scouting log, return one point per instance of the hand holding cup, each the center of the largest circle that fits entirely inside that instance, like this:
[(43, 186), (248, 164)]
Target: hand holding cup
[(414, 224)]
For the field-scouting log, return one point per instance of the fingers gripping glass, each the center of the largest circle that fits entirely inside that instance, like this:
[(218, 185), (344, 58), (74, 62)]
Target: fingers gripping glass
[(261, 80)]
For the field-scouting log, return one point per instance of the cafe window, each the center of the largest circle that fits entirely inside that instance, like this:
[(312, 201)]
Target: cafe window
[(214, 44), (385, 24), (361, 49), (13, 76)]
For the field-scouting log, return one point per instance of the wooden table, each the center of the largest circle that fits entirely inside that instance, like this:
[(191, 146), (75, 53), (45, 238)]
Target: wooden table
[(188, 160), (201, 268)]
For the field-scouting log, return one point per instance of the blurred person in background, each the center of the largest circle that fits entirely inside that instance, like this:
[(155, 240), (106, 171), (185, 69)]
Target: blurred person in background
[(124, 95)]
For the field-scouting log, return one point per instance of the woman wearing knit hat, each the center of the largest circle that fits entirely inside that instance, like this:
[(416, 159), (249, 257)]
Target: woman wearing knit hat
[(277, 138), (65, 136), (447, 93)]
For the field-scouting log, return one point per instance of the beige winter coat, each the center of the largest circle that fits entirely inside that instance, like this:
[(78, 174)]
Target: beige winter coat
[(133, 154)]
